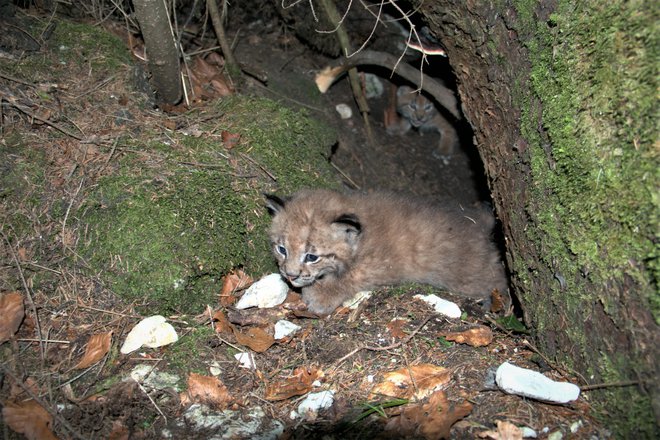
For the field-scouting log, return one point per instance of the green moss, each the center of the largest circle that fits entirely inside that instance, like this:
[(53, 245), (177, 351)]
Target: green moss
[(194, 344), (595, 168), (74, 44), (165, 234)]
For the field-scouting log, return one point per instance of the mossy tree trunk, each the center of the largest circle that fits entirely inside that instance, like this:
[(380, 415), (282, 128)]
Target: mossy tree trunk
[(561, 96)]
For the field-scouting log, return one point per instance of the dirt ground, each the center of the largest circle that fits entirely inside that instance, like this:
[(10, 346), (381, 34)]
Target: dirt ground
[(348, 353)]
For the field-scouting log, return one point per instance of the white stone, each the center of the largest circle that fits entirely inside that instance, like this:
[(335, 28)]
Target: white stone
[(344, 111), (314, 402), (151, 332), (269, 291), (284, 328), (440, 305), (246, 360), (228, 424), (523, 382)]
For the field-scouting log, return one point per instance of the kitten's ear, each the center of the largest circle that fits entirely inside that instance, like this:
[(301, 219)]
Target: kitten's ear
[(350, 223), (275, 204)]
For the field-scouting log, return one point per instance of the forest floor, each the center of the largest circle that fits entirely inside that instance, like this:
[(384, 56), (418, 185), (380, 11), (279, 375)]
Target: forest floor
[(391, 368)]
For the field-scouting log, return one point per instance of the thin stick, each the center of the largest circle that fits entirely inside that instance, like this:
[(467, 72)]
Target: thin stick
[(29, 297), (387, 347)]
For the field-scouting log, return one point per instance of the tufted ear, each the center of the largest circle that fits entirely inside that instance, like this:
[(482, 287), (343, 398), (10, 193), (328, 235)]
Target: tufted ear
[(350, 223), (275, 204)]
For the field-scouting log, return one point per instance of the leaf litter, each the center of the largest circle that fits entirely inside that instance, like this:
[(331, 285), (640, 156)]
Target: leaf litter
[(412, 387)]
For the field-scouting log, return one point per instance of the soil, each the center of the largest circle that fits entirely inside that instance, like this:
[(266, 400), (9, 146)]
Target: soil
[(352, 349)]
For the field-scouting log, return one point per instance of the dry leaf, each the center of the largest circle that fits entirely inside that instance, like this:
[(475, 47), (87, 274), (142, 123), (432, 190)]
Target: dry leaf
[(12, 312), (229, 139), (296, 385), (476, 337), (433, 419), (416, 381), (326, 77), (255, 338), (395, 328), (97, 347), (505, 431), (233, 281), (222, 325), (208, 390), (498, 301), (30, 419)]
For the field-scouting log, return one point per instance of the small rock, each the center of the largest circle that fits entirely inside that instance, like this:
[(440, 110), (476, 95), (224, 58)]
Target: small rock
[(313, 403), (440, 305), (269, 291), (284, 328), (227, 424), (151, 332), (246, 360), (344, 111), (523, 382)]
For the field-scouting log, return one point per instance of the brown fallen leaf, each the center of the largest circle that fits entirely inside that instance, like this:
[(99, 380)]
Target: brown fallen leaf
[(477, 337), (233, 282), (505, 431), (97, 347), (432, 420), (12, 312), (395, 328), (416, 381), (30, 419), (255, 338), (222, 324), (208, 390), (298, 384), (119, 431), (229, 139)]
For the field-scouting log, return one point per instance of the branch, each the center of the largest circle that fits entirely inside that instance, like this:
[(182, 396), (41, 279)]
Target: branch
[(443, 95)]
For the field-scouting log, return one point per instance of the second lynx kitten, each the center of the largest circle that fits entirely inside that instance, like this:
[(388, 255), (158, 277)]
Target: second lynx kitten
[(332, 245), (418, 111)]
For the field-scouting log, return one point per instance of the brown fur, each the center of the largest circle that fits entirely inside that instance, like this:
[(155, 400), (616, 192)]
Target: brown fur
[(418, 111), (367, 240)]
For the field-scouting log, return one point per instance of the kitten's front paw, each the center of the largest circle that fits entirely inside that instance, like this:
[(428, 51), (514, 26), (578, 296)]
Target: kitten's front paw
[(320, 304)]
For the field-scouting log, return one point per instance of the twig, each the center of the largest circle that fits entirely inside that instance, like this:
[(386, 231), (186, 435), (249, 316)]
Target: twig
[(344, 175), (56, 126), (443, 95), (596, 386), (230, 62), (385, 348), (29, 297), (151, 400), (342, 37), (254, 162)]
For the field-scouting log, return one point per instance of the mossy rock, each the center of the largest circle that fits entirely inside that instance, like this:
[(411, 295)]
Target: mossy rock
[(164, 232)]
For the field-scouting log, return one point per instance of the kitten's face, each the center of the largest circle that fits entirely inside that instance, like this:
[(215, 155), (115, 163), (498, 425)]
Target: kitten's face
[(309, 241), (415, 107)]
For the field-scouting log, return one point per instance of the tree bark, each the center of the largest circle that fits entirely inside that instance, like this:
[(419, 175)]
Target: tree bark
[(555, 92), (162, 55)]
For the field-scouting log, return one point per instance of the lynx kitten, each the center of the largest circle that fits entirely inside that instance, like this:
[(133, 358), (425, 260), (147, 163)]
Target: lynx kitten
[(418, 111), (332, 245)]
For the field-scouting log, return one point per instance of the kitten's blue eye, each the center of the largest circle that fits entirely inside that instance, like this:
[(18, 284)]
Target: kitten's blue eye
[(428, 107), (311, 258), (281, 250)]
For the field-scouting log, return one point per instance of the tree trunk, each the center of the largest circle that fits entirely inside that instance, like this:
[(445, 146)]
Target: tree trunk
[(162, 54), (561, 96)]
